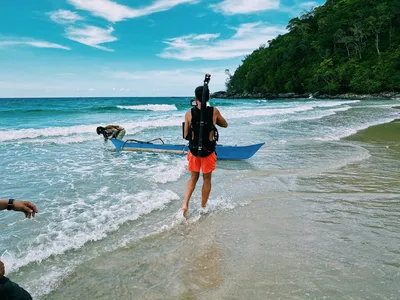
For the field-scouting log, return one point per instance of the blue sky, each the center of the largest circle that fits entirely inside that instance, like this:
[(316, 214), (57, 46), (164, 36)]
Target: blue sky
[(89, 48)]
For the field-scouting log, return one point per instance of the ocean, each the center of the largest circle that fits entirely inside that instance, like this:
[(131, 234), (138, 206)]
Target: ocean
[(313, 215)]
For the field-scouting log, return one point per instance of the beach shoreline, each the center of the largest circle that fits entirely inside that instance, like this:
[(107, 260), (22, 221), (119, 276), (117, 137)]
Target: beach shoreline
[(316, 96)]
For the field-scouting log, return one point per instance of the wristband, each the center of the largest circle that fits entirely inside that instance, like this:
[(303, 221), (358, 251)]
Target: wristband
[(10, 205)]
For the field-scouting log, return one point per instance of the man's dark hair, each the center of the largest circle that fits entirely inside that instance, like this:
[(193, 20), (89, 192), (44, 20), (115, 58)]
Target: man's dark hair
[(199, 93), (100, 130)]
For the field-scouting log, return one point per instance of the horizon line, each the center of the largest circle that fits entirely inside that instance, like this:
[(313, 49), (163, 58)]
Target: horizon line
[(86, 97)]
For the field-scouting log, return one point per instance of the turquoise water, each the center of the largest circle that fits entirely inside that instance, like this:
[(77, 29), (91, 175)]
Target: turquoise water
[(95, 202)]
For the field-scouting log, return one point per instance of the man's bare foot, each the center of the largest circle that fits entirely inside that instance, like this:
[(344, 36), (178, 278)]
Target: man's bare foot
[(203, 210), (184, 210)]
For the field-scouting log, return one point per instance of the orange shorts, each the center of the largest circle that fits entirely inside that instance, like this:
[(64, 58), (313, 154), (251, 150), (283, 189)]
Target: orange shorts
[(206, 164)]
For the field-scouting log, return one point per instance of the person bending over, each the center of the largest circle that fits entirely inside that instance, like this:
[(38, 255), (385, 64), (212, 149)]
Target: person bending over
[(111, 131)]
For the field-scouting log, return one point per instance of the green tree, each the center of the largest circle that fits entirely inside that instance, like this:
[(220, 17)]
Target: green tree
[(342, 46)]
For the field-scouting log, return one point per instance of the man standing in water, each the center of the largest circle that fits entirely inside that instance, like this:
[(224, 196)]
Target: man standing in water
[(207, 160)]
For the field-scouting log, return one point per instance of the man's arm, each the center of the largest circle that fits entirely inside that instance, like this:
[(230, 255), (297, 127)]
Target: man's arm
[(25, 206), (187, 123), (2, 271), (220, 119)]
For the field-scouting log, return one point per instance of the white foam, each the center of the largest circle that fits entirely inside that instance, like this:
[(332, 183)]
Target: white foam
[(23, 135), (49, 281), (151, 107), (332, 103), (73, 132), (224, 203), (322, 114), (315, 116), (90, 219), (217, 204), (241, 113), (346, 131), (155, 123), (269, 122), (168, 171), (344, 108), (30, 133), (56, 273), (294, 107), (75, 139)]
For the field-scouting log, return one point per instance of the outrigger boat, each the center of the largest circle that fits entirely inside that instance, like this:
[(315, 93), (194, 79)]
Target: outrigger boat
[(223, 152)]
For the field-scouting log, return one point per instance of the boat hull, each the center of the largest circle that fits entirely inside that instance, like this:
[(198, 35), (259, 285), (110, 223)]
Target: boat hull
[(223, 152)]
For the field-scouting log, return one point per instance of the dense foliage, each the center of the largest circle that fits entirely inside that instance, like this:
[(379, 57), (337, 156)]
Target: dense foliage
[(340, 47)]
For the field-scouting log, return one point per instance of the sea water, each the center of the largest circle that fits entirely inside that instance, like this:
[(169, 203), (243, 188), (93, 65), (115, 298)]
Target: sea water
[(101, 210)]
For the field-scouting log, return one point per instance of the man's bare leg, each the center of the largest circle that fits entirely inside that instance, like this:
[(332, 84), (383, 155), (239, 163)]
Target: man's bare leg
[(205, 192), (194, 177)]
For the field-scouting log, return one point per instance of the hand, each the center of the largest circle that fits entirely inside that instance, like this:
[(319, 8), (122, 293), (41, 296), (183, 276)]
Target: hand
[(184, 210), (1, 269), (27, 207)]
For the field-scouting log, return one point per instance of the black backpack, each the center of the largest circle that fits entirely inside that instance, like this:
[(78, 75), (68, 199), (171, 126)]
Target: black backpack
[(208, 146), (3, 294)]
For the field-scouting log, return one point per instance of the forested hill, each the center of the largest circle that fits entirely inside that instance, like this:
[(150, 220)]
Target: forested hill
[(344, 46)]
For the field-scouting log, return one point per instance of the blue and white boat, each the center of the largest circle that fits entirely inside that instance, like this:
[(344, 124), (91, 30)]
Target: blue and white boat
[(223, 152)]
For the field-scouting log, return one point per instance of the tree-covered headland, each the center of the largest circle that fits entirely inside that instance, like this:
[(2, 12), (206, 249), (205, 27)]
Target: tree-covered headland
[(343, 46)]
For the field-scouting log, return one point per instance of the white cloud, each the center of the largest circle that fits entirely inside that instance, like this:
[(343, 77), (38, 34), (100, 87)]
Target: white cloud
[(106, 9), (176, 81), (131, 75), (174, 75), (62, 16), (247, 38), (115, 12), (206, 37), (17, 86), (32, 43), (91, 36), (302, 8), (232, 7), (297, 9), (308, 4), (162, 83)]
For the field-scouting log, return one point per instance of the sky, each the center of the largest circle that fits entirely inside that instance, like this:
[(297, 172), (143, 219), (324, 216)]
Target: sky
[(123, 48)]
